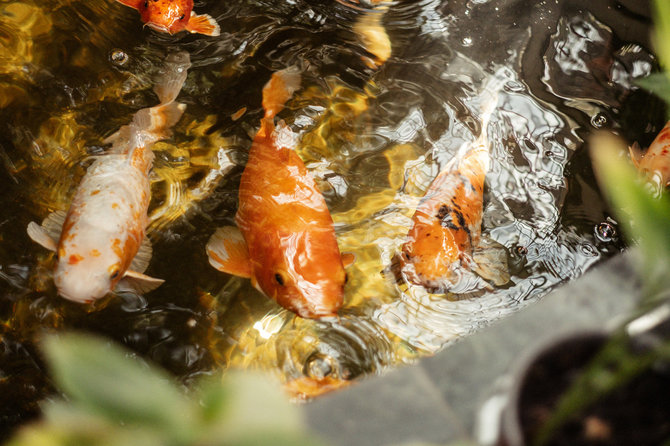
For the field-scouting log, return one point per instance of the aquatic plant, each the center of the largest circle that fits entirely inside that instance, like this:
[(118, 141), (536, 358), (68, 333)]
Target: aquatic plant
[(114, 398)]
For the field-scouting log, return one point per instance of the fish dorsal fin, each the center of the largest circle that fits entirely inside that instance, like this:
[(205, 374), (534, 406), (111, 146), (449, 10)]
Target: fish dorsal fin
[(348, 259), (53, 224), (203, 24), (227, 252), (132, 3), (141, 261), (138, 282), (39, 235)]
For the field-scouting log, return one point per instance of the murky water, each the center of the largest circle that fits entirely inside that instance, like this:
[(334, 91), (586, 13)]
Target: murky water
[(373, 135)]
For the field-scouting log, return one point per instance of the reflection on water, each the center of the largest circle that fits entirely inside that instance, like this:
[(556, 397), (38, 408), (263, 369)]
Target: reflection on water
[(374, 131)]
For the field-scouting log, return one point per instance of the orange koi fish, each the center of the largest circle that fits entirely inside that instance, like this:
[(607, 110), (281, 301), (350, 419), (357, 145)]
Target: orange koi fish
[(654, 163), (284, 240), (173, 16), (445, 238), (100, 242)]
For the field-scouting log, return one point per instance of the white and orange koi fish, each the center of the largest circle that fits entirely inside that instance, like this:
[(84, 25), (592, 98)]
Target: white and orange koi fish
[(100, 241), (445, 239)]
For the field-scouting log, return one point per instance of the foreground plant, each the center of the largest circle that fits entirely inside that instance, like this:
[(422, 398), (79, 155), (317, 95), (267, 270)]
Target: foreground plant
[(114, 399)]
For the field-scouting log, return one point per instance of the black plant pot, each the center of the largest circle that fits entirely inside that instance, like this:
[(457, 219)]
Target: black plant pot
[(635, 413)]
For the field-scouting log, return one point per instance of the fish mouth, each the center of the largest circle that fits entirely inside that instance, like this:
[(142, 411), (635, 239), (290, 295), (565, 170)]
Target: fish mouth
[(75, 299), (158, 27)]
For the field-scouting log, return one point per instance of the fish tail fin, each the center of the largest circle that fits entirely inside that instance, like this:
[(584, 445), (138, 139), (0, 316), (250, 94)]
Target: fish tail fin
[(475, 162), (172, 76), (154, 123), (132, 3), (279, 89), (489, 95)]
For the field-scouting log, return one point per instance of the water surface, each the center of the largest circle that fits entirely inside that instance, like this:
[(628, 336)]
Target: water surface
[(373, 135)]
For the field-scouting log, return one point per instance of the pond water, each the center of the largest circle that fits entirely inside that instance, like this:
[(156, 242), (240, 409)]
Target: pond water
[(373, 133)]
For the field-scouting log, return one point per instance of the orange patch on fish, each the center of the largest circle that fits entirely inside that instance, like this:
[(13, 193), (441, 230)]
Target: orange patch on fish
[(654, 163), (74, 259), (306, 387), (95, 253)]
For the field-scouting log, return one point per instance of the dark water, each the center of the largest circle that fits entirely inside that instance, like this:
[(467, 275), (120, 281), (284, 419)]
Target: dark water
[(72, 72)]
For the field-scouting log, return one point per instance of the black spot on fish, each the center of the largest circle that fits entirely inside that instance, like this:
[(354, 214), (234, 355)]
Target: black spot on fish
[(442, 212), (448, 223), (461, 219)]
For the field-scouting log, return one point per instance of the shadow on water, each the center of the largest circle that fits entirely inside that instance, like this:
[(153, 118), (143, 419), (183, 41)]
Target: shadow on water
[(72, 72)]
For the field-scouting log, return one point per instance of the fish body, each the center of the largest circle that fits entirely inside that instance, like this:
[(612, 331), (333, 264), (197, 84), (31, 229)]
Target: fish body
[(445, 238), (654, 163), (173, 16), (100, 241), (284, 241)]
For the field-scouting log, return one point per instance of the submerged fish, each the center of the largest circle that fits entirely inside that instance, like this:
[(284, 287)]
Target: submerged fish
[(445, 239), (173, 16), (100, 242), (654, 163), (286, 241)]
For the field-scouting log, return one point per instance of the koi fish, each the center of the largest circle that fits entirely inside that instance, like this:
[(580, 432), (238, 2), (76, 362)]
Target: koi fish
[(445, 238), (101, 242), (655, 162), (305, 388), (284, 240), (173, 16)]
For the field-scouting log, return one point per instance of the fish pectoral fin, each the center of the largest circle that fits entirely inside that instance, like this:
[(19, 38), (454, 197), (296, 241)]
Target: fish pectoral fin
[(132, 3), (141, 261), (636, 154), (49, 232), (53, 224), (138, 282), (39, 235), (348, 259), (489, 261), (203, 24), (227, 252)]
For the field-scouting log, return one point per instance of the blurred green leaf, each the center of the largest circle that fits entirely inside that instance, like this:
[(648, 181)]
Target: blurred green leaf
[(662, 30), (657, 83), (647, 217), (116, 400), (258, 413), (101, 378)]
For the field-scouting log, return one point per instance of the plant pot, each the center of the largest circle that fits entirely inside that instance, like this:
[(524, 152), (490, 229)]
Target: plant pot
[(634, 413)]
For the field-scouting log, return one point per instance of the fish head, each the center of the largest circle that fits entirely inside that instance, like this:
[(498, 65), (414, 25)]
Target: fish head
[(88, 269), (168, 16), (430, 254), (305, 275)]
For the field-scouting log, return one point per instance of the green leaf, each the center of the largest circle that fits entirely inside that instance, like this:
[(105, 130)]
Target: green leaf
[(103, 379), (657, 83), (647, 218), (662, 34), (256, 412)]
